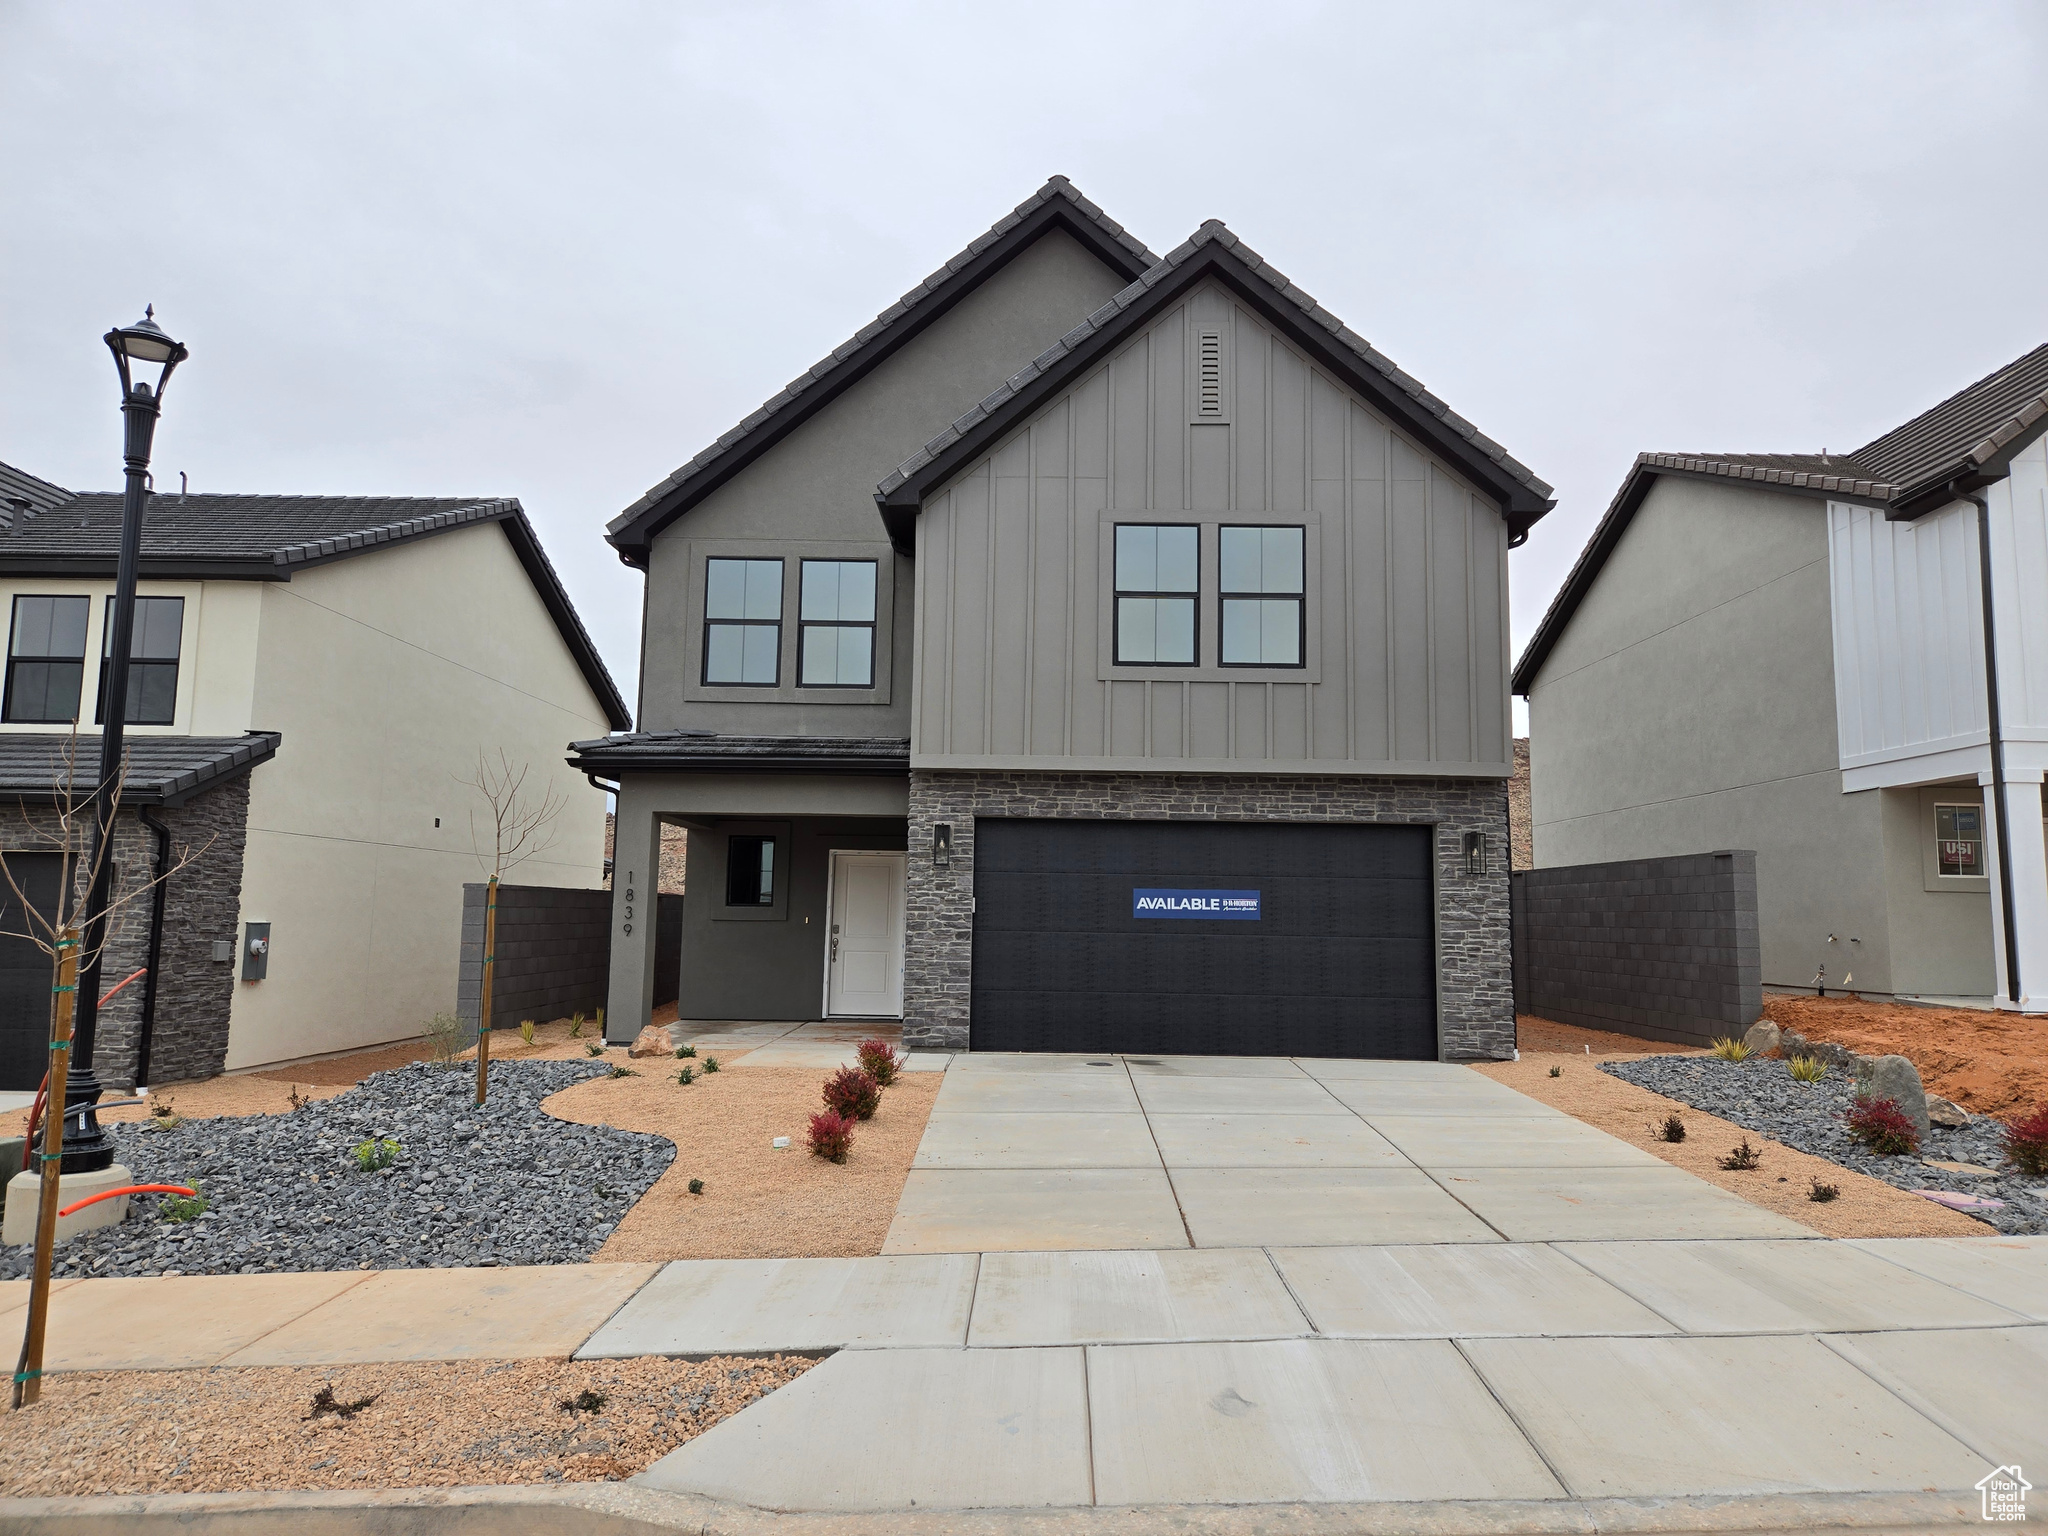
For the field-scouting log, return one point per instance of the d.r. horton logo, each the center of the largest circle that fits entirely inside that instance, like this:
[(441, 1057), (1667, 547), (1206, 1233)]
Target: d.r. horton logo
[(2005, 1494)]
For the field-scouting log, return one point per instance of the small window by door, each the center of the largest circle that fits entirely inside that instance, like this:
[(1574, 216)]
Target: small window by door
[(1959, 841), (750, 872), (152, 661)]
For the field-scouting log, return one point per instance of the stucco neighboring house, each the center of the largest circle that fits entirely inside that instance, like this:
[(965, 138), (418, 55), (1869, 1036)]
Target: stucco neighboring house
[(1099, 651), (1791, 653), (312, 679)]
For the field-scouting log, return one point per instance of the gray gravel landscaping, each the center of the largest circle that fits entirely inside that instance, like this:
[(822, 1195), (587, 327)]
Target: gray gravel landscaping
[(507, 1184), (1762, 1095)]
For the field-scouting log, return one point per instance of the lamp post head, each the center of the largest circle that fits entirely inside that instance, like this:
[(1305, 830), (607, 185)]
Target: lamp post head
[(145, 357)]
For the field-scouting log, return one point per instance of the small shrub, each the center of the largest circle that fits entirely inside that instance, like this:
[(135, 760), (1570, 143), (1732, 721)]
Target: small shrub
[(1883, 1127), (600, 1021), (1821, 1193), (576, 1025), (1673, 1128), (1743, 1158), (377, 1154), (852, 1093), (2026, 1142), (447, 1037), (685, 1052), (1730, 1049), (879, 1059), (526, 1030), (686, 1075), (831, 1136), (183, 1207), (585, 1401), (696, 1186), (1557, 1071), (1807, 1069), (619, 1071), (590, 1048), (710, 1063)]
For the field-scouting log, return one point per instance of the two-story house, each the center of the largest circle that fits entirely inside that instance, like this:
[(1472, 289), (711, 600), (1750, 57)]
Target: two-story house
[(312, 680), (1794, 653), (1098, 651)]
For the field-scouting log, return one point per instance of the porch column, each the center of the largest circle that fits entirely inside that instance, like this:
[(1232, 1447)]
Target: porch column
[(636, 882), (2029, 844)]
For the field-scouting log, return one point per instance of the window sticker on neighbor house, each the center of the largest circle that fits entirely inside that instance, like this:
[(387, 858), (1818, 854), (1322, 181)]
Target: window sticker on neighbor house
[(1239, 906)]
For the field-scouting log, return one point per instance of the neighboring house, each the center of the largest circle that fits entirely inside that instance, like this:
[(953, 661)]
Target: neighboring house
[(312, 679), (1789, 653), (1194, 604)]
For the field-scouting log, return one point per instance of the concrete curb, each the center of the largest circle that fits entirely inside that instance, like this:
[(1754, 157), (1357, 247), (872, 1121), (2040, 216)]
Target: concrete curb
[(620, 1509)]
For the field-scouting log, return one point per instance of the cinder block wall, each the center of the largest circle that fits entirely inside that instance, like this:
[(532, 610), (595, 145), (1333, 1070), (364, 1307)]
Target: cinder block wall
[(1662, 949), (553, 949)]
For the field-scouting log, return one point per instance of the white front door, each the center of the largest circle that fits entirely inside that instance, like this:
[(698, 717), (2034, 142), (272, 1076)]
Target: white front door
[(864, 939)]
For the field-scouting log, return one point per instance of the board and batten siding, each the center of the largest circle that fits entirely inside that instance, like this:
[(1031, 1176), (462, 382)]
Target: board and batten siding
[(1406, 579), (1909, 641)]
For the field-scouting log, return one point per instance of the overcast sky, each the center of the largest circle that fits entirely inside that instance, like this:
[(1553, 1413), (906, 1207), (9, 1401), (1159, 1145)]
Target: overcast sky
[(551, 251)]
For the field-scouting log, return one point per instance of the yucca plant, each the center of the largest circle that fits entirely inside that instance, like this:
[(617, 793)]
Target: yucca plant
[(526, 1030), (1731, 1049), (1807, 1069)]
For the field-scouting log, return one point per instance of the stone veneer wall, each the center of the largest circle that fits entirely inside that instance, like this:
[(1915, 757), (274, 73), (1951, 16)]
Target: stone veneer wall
[(194, 991), (1475, 1005)]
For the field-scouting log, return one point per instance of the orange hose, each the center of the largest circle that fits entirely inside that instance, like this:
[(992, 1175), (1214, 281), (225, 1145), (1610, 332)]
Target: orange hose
[(127, 1189)]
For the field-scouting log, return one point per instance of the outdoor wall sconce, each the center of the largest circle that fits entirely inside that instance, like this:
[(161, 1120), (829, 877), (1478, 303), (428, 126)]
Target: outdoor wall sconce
[(1475, 853), (942, 844)]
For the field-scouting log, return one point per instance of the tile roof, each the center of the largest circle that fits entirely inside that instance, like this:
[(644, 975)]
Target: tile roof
[(162, 770), (1215, 233), (270, 536), (673, 751), (22, 492), (847, 361), (1961, 443)]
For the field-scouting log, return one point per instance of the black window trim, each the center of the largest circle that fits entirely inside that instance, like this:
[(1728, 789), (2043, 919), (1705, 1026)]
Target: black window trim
[(704, 643), (99, 708), (757, 839), (13, 618), (1300, 600), (1117, 595), (803, 626)]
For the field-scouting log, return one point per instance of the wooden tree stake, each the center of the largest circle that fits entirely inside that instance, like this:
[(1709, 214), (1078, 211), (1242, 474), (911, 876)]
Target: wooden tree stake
[(28, 1375), (483, 1018)]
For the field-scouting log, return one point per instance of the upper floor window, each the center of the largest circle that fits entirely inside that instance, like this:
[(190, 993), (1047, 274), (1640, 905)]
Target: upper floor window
[(1260, 576), (1959, 840), (152, 661), (1157, 577), (750, 872), (743, 622), (46, 659), (836, 623)]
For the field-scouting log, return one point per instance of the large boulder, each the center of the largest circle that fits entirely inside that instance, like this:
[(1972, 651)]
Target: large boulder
[(1897, 1079), (654, 1040), (1763, 1038)]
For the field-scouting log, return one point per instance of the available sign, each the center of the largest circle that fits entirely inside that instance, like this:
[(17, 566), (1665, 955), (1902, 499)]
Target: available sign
[(1239, 906)]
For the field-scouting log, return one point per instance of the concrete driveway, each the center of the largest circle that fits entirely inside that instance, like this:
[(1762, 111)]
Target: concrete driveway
[(1039, 1153)]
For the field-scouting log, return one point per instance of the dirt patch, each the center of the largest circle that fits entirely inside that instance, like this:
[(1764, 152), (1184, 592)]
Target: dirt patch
[(1535, 1036), (1867, 1207), (1989, 1062), (758, 1203), (426, 1425)]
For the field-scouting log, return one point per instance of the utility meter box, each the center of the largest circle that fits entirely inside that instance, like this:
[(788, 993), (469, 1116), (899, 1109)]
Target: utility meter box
[(255, 951)]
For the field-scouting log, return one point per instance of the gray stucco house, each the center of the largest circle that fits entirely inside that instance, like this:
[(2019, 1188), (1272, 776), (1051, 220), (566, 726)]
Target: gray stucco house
[(1098, 651), (1792, 653)]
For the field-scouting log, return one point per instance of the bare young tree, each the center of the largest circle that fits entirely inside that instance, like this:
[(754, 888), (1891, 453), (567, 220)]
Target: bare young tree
[(522, 825), (61, 933)]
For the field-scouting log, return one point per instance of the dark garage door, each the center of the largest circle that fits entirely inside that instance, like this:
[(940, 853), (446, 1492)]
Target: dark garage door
[(1339, 962)]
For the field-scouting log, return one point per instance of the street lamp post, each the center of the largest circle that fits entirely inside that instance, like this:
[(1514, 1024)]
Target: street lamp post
[(145, 357)]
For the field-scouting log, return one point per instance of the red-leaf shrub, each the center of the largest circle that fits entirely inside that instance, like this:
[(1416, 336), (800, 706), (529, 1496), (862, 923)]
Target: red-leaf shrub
[(2026, 1142), (1883, 1127), (852, 1094), (879, 1060), (831, 1136)]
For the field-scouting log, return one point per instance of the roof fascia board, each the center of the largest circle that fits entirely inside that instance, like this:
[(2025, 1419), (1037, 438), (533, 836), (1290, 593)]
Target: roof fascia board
[(153, 568), (899, 506), (547, 582), (630, 536)]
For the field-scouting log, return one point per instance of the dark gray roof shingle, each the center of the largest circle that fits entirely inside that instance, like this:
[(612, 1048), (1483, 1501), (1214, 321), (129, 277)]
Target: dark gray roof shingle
[(162, 770), (1968, 429), (22, 493)]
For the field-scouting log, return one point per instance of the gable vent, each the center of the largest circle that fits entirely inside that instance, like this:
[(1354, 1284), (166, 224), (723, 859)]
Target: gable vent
[(1209, 376)]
